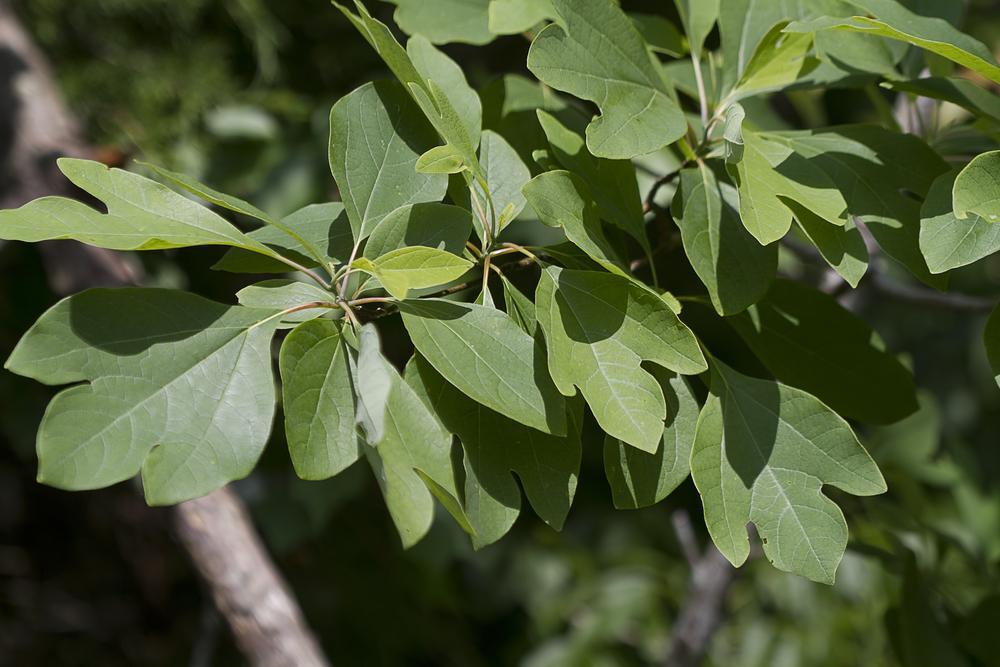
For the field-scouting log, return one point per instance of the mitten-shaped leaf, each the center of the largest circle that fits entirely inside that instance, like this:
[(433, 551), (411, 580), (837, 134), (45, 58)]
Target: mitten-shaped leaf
[(175, 385), (762, 453), (599, 328)]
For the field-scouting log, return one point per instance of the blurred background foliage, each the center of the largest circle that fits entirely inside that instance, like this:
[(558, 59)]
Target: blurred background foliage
[(237, 92)]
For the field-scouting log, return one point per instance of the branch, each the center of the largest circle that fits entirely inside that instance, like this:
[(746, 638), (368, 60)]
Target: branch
[(216, 530), (703, 612)]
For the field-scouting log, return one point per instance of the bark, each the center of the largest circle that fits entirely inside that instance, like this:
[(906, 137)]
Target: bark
[(35, 129)]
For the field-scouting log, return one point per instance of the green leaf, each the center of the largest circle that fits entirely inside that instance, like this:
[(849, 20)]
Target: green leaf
[(520, 308), (510, 17), (698, 17), (843, 248), (483, 353), (497, 448), (373, 377), (562, 199), (639, 479), (612, 182), (324, 226), (437, 68), (318, 400), (436, 83), (992, 338), (376, 138), (810, 341), (660, 35), (599, 328), (733, 133), (433, 225), (444, 21), (780, 60), (888, 18), (413, 464), (596, 54), (142, 215), (770, 173), (879, 172), (505, 175), (234, 204), (406, 269), (948, 242), (977, 189), (284, 294), (172, 384), (735, 268), (762, 453), (440, 160)]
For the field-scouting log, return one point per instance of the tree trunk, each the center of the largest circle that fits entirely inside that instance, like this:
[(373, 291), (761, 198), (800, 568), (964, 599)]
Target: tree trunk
[(35, 128)]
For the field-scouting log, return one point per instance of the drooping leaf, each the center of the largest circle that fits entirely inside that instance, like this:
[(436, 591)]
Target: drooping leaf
[(284, 294), (599, 328), (318, 400), (509, 17), (639, 479), (889, 18), (376, 137), (733, 133), (810, 341), (762, 453), (142, 215), (596, 53), (324, 226), (735, 268), (698, 18), (444, 21), (412, 463), (612, 182), (483, 353), (497, 448), (562, 199), (432, 225), (418, 267), (948, 242), (843, 248), (174, 385), (976, 192)]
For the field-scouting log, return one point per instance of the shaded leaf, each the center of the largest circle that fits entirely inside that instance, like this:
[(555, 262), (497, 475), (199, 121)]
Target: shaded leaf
[(735, 268), (843, 248), (599, 328), (762, 453), (376, 138), (810, 341), (283, 294), (976, 192), (639, 479), (467, 20), (509, 17), (483, 353), (318, 400), (433, 225), (698, 18), (597, 54), (497, 448), (173, 384)]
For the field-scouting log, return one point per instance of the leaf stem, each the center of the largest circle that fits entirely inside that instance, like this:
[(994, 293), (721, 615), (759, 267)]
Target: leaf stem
[(699, 79), (347, 274)]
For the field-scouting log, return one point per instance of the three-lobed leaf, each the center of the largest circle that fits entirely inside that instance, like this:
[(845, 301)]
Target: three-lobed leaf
[(762, 453)]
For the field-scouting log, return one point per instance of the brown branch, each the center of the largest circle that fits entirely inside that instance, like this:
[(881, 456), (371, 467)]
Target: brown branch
[(216, 530), (704, 611)]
